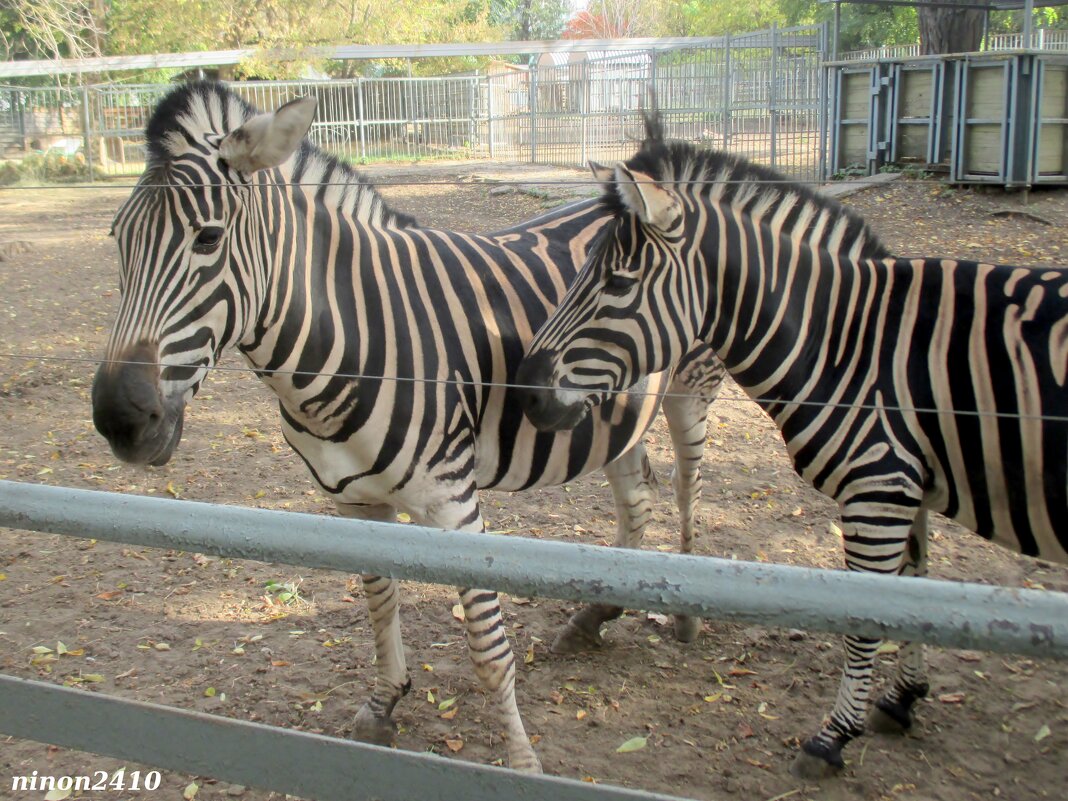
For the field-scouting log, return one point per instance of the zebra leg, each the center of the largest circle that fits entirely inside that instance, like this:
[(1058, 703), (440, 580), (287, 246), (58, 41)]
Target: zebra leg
[(869, 546), (634, 490), (494, 663), (487, 641), (374, 722), (686, 411), (892, 713)]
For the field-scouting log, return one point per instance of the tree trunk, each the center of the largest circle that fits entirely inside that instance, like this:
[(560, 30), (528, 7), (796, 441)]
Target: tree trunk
[(949, 30)]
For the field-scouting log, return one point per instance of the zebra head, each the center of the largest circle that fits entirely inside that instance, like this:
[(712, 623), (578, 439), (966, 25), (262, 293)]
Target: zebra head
[(630, 311), (192, 277)]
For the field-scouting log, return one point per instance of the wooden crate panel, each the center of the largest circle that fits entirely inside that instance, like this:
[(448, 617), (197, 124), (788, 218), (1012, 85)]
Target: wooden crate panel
[(986, 92), (856, 94), (854, 144), (912, 142), (983, 149), (1054, 101), (1052, 143), (917, 86)]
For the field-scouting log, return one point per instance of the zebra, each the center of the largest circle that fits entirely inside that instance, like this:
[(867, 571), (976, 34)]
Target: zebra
[(241, 233), (900, 386)]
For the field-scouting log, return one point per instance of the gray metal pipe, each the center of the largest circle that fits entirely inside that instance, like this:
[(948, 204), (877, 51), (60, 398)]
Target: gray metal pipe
[(286, 761), (947, 613)]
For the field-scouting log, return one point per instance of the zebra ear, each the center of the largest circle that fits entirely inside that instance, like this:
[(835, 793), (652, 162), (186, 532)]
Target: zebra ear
[(602, 174), (267, 140), (653, 204)]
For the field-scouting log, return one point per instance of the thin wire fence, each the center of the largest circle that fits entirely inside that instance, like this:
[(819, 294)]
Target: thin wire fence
[(758, 94), (505, 385)]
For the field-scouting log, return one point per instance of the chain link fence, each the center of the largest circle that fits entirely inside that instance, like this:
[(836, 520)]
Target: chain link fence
[(758, 94)]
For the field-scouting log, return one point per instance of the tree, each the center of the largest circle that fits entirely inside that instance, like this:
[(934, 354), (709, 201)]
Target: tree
[(49, 29), (950, 30), (527, 20)]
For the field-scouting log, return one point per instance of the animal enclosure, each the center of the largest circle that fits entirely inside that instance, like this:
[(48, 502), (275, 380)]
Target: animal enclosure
[(756, 93), (717, 715)]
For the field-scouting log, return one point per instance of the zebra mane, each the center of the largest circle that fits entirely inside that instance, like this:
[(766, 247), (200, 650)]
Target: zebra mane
[(194, 112), (738, 182)]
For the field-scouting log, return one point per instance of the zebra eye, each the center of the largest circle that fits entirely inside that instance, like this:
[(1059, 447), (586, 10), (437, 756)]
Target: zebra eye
[(619, 284), (208, 239)]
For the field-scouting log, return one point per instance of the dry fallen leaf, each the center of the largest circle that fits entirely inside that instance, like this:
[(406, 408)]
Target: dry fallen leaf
[(454, 745), (633, 744), (951, 698)]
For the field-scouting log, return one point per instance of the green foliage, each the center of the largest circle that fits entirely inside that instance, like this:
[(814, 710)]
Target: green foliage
[(716, 17), (528, 19)]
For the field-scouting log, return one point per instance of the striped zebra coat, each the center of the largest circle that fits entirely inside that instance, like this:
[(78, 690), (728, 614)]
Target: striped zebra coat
[(242, 234), (900, 386)]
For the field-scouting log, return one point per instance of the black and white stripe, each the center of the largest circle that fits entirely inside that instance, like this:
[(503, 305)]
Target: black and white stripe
[(239, 234), (901, 386)]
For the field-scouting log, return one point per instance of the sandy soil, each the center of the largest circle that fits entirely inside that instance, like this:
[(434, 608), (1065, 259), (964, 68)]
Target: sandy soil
[(721, 715)]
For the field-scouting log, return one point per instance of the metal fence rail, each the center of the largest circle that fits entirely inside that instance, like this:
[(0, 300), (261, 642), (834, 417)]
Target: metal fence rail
[(948, 613), (254, 755), (925, 610)]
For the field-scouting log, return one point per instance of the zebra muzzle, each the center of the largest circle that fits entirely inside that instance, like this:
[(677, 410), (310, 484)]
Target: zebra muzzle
[(541, 400), (130, 411)]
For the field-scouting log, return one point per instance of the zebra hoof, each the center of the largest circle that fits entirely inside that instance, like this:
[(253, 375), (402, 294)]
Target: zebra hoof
[(687, 628), (368, 728), (814, 763), (575, 639), (888, 717), (528, 763)]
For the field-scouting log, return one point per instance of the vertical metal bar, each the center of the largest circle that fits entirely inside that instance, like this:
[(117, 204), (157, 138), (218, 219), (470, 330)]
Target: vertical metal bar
[(533, 103), (584, 111), (471, 114), (1028, 23), (489, 113), (773, 91), (837, 30), (727, 94), (362, 131), (87, 135), (823, 76)]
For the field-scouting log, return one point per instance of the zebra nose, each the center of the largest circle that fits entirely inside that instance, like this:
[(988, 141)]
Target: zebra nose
[(535, 379), (127, 406)]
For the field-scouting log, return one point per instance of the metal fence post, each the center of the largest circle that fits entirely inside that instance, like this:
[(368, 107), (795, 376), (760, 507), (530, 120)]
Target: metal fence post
[(489, 113), (823, 97), (360, 117), (584, 112), (727, 94), (773, 91), (471, 94), (87, 133), (532, 101)]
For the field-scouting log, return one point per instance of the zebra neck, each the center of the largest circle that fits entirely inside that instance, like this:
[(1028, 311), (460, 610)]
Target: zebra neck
[(770, 305)]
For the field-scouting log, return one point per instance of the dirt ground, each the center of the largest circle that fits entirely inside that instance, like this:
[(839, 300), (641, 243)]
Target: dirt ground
[(721, 715)]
